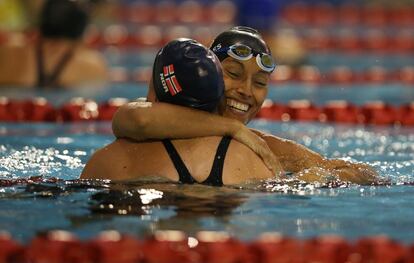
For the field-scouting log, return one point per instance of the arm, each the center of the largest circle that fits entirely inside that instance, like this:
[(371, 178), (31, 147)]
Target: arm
[(311, 166), (142, 121), (293, 156)]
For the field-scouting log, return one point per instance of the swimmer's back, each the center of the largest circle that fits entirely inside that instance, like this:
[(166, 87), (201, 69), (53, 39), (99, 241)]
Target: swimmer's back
[(241, 164), (18, 66), (126, 160)]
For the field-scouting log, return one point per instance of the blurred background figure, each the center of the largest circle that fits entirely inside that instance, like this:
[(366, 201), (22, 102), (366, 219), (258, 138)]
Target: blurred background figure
[(259, 14), (56, 56), (313, 42), (288, 48)]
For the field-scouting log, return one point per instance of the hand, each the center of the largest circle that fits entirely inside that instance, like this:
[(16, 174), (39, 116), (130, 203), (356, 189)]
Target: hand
[(357, 173), (245, 136), (315, 175)]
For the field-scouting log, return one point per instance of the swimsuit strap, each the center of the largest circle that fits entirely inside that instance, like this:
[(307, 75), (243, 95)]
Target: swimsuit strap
[(183, 173), (48, 80), (39, 60), (216, 174)]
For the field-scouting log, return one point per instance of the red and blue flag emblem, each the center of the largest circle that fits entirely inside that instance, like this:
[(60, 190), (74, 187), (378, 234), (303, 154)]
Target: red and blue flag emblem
[(171, 81)]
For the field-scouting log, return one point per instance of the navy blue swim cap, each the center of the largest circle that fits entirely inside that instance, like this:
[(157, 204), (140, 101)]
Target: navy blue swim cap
[(187, 73), (239, 35)]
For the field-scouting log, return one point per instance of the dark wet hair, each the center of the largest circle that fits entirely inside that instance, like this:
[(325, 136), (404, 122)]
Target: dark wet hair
[(239, 35), (63, 19), (187, 73)]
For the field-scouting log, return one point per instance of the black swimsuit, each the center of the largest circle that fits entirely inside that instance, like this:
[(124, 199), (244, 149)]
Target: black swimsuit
[(45, 80), (215, 177)]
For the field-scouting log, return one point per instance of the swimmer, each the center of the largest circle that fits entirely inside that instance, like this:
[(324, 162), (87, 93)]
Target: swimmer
[(247, 64), (57, 58), (188, 74)]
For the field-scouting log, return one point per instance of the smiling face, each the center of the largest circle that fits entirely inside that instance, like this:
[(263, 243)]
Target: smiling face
[(246, 87)]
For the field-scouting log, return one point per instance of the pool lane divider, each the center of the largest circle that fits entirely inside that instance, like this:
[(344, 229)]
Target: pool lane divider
[(81, 109), (342, 76), (204, 247)]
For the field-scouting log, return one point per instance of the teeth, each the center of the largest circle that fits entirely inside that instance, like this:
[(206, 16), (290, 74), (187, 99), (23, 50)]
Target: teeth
[(237, 105)]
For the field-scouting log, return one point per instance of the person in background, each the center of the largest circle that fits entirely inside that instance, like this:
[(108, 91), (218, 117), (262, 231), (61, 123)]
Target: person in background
[(259, 14), (188, 74), (247, 64), (57, 58), (289, 49)]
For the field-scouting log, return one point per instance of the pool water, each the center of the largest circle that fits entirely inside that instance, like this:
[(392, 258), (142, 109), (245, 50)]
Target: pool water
[(293, 209)]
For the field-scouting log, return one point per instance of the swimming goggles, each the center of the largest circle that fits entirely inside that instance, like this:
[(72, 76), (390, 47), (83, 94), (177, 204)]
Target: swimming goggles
[(242, 52)]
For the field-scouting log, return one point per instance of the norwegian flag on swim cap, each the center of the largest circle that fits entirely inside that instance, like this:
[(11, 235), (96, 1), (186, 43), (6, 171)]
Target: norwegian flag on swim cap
[(186, 73), (171, 81)]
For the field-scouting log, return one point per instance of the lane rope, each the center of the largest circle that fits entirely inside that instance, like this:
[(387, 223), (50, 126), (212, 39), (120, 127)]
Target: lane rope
[(81, 109)]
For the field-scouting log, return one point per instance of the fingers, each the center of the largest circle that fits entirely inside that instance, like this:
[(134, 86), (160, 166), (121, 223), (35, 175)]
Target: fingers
[(268, 158), (273, 164)]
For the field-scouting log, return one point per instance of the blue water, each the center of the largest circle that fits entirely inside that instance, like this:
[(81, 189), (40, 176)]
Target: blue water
[(295, 209)]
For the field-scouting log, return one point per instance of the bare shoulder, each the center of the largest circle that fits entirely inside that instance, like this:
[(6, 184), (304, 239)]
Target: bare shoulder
[(105, 162), (92, 61), (91, 56), (242, 165), (239, 151)]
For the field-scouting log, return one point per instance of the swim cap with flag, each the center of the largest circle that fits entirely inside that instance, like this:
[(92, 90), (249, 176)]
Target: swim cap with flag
[(187, 73)]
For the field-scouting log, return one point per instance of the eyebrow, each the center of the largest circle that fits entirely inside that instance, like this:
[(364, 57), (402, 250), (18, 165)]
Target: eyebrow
[(236, 62), (233, 60), (262, 72)]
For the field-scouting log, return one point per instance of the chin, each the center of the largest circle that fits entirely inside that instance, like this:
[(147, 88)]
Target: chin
[(243, 118)]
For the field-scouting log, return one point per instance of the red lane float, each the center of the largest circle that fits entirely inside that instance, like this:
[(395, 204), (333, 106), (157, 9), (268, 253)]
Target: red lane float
[(110, 246), (273, 111), (303, 110), (78, 109), (378, 112), (406, 114), (154, 34), (10, 250), (169, 247), (327, 249), (380, 249), (311, 75), (348, 13), (272, 248), (108, 109), (56, 247), (205, 247), (81, 109), (341, 112)]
